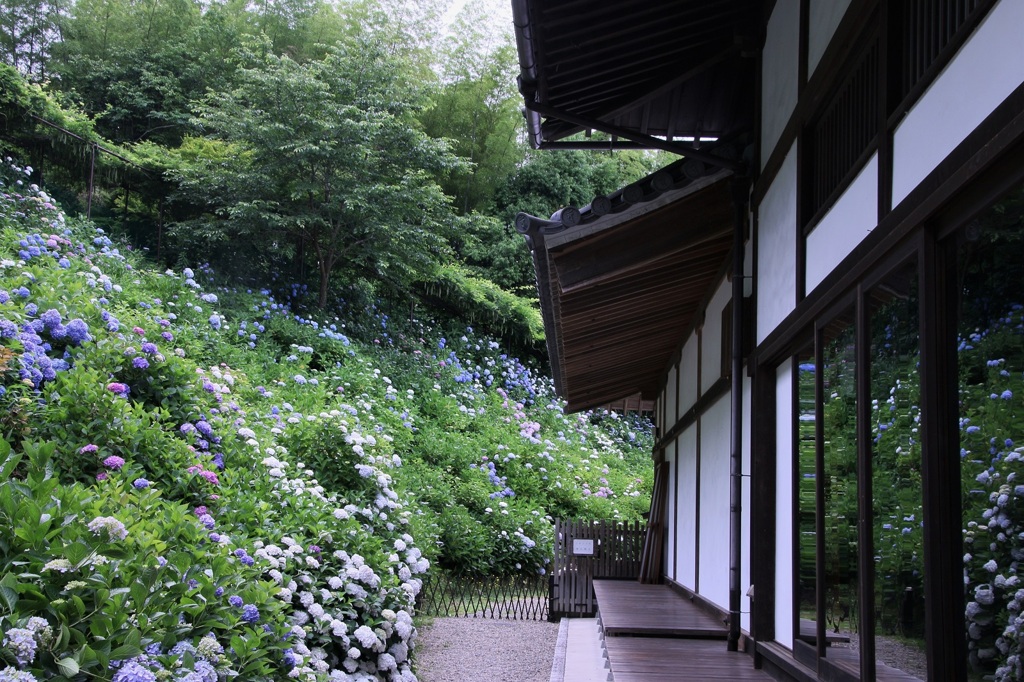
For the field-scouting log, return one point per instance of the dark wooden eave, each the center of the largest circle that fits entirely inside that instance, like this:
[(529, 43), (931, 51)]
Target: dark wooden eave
[(649, 73), (619, 293)]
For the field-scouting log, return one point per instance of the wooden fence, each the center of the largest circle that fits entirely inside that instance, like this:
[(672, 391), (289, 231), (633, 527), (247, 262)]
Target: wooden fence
[(585, 550)]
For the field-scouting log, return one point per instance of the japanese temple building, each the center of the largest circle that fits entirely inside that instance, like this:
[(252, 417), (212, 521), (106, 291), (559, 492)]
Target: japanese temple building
[(806, 295)]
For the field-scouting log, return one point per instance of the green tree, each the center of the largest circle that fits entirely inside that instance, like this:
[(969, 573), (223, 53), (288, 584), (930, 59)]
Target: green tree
[(545, 182), (28, 28), (322, 158), (476, 105)]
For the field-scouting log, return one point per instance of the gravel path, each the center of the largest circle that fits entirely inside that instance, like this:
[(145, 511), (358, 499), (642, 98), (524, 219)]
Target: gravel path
[(485, 650)]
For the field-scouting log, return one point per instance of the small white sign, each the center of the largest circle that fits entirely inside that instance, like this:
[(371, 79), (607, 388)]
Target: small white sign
[(583, 547)]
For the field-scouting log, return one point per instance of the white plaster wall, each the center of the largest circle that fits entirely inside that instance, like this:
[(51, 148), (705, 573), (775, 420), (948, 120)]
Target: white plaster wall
[(714, 504), (852, 217), (688, 375), (779, 70), (711, 337), (776, 249), (985, 71), (671, 408), (823, 17), (784, 505), (670, 546), (686, 512)]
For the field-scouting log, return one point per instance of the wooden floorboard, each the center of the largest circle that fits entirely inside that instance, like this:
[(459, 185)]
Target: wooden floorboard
[(629, 608), (658, 659)]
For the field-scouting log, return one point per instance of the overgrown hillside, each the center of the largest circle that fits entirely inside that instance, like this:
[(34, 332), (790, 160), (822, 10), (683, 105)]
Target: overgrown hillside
[(199, 483)]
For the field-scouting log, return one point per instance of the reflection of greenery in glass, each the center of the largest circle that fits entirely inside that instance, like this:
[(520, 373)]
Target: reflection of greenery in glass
[(898, 524), (807, 518), (840, 484)]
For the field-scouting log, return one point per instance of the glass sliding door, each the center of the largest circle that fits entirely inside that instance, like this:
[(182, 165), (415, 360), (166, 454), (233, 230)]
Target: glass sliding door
[(897, 519), (838, 487)]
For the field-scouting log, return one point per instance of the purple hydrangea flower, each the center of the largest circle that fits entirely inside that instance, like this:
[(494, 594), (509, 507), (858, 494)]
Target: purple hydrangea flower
[(113, 462), (140, 363), (235, 600), (78, 332), (118, 388), (141, 483), (149, 348), (250, 614), (51, 318)]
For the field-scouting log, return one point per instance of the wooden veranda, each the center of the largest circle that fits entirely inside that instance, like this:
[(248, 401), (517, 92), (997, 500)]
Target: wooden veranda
[(651, 633)]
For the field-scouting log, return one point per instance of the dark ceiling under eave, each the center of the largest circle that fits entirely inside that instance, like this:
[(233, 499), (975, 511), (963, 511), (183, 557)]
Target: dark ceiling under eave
[(620, 299), (661, 69)]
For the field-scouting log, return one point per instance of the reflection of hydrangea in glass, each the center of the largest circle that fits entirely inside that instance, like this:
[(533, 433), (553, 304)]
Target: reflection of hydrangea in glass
[(115, 529)]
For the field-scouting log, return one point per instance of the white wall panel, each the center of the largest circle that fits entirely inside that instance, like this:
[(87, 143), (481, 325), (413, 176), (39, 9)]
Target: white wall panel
[(711, 337), (714, 504), (688, 375), (784, 505), (776, 249), (780, 59), (686, 511), (852, 217), (671, 408), (978, 79), (670, 547), (823, 17)]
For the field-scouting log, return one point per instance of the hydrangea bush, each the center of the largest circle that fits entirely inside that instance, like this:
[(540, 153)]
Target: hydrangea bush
[(201, 484)]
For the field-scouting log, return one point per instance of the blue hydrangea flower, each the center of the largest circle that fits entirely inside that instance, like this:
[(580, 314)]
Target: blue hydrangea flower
[(250, 614), (78, 332)]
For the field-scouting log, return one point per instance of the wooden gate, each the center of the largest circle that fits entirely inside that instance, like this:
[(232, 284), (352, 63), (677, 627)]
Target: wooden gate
[(602, 549)]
